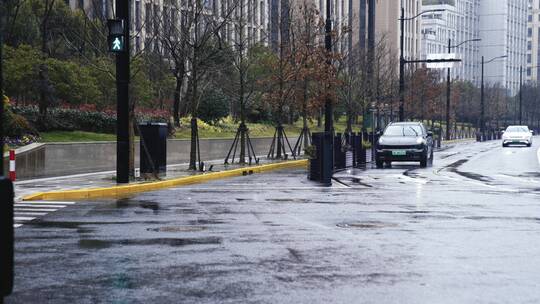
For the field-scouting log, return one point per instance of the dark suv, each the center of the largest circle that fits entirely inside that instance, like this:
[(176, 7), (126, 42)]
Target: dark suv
[(405, 141)]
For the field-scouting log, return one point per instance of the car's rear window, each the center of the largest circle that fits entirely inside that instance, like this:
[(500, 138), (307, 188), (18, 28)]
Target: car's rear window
[(404, 130), (517, 129)]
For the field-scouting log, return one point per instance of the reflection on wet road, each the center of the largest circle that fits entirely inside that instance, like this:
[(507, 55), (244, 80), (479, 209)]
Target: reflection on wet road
[(465, 230)]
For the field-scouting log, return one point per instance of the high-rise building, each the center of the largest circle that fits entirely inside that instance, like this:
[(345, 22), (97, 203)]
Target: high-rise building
[(503, 30), (342, 14), (387, 25), (533, 42), (457, 21), (149, 17)]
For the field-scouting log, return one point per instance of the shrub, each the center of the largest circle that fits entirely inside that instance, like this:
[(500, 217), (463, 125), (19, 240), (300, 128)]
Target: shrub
[(82, 118), (213, 107), (15, 125)]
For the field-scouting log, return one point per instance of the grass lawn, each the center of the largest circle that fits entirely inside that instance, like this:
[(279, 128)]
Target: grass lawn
[(75, 136), (226, 129)]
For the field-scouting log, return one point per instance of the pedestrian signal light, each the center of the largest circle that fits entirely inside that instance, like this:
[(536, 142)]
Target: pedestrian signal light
[(116, 38)]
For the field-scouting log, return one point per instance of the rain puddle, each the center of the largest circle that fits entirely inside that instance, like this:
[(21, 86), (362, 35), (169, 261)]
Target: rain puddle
[(175, 242), (178, 229)]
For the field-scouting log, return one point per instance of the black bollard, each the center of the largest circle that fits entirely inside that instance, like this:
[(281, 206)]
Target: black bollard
[(6, 237)]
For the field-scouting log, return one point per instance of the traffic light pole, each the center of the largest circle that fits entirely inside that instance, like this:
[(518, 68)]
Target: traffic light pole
[(122, 107)]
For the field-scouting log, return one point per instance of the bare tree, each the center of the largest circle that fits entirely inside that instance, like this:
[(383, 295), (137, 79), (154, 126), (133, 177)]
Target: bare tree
[(243, 87), (202, 30)]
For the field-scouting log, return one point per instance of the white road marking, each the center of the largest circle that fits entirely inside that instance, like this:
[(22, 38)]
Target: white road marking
[(47, 203), (23, 218), (27, 211), (34, 209), (538, 155), (39, 206), (30, 213)]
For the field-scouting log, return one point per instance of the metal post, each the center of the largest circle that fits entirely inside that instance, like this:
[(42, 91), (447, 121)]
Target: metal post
[(520, 95), (448, 88), (481, 127), (402, 68), (122, 107), (328, 119)]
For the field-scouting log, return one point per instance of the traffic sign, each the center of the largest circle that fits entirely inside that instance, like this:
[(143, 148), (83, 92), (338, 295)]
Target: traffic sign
[(442, 65), (116, 38)]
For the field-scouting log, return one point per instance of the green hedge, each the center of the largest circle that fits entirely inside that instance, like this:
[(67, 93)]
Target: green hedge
[(68, 119)]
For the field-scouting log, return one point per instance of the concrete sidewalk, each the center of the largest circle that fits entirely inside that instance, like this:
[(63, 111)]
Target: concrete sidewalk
[(107, 179)]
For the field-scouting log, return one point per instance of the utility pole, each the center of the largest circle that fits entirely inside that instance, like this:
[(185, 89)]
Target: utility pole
[(122, 106)]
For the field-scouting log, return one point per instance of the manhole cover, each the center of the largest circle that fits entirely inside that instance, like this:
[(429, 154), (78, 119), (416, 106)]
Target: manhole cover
[(366, 225), (178, 229)]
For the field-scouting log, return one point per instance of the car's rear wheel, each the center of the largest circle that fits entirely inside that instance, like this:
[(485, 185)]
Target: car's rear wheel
[(505, 145), (529, 144), (379, 163), (388, 164)]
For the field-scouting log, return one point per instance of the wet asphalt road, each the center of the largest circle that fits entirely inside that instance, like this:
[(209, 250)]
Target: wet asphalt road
[(466, 230)]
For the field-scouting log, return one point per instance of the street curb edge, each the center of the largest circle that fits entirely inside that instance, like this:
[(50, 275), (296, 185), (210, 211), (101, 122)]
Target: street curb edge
[(116, 191)]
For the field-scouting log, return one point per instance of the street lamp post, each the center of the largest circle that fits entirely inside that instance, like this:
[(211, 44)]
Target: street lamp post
[(448, 84), (520, 95), (402, 60), (482, 109), (402, 67), (328, 119)]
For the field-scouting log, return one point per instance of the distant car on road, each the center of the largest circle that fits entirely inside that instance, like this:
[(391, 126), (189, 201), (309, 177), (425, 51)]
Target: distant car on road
[(517, 135), (403, 142)]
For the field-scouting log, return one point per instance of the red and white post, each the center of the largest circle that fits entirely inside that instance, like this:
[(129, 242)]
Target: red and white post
[(12, 174)]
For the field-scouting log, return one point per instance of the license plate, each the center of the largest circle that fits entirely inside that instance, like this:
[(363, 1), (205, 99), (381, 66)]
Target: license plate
[(515, 140), (399, 153)]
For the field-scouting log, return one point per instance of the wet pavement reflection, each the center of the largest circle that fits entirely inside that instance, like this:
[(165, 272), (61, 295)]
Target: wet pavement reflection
[(465, 230)]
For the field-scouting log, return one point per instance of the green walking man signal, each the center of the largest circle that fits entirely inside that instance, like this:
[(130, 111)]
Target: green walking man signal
[(116, 38)]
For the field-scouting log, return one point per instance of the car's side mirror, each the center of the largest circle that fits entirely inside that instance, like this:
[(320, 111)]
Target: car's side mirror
[(379, 132), (532, 132)]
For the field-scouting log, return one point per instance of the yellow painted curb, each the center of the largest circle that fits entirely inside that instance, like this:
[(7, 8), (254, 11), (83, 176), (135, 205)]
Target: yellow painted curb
[(116, 191)]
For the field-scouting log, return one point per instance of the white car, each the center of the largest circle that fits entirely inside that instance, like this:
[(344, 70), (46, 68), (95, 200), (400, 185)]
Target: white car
[(517, 135)]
